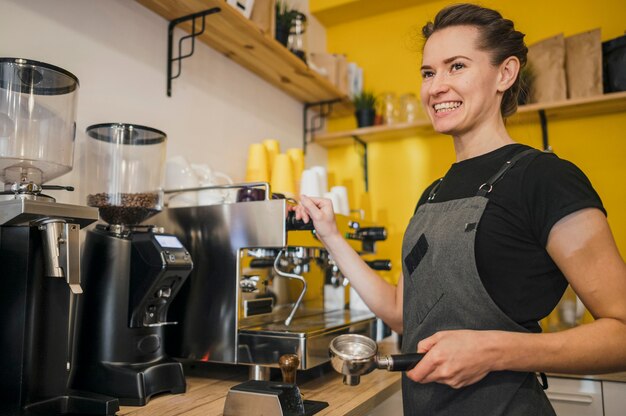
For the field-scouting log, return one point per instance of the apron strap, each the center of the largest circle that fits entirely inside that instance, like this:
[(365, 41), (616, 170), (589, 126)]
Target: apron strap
[(487, 187), (434, 190)]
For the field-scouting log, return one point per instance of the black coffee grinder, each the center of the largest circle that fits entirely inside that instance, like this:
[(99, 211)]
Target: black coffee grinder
[(132, 272), (39, 244)]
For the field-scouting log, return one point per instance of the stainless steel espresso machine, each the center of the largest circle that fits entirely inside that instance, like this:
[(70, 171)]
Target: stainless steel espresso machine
[(39, 243), (132, 272), (257, 289)]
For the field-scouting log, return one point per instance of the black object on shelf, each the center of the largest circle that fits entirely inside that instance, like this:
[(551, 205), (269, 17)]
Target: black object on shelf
[(194, 33), (614, 64)]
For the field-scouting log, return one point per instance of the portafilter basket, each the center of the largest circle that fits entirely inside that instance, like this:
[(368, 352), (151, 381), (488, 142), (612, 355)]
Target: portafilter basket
[(354, 355)]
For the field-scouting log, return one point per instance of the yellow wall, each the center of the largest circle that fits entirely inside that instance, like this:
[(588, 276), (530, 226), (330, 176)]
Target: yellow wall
[(387, 47)]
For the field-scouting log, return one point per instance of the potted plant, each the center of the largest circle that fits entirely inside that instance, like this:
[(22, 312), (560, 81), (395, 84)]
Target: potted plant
[(365, 105), (285, 17)]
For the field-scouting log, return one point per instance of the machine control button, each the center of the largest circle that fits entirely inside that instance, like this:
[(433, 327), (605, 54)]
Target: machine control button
[(172, 257), (164, 292), (149, 344)]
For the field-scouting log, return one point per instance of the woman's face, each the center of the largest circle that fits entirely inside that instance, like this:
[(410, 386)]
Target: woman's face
[(460, 85)]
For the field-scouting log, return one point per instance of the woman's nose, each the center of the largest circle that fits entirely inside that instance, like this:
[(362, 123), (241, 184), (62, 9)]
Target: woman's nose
[(438, 85)]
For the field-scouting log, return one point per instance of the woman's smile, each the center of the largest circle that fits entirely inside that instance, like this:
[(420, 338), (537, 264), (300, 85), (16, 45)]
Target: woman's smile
[(446, 107)]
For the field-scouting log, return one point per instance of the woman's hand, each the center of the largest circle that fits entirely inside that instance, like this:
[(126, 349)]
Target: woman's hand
[(320, 211), (456, 358)]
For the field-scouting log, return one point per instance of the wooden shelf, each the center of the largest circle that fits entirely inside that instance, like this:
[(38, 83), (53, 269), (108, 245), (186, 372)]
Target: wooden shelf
[(241, 40), (582, 107)]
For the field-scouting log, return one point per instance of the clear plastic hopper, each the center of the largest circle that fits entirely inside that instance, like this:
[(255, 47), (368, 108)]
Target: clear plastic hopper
[(37, 121), (125, 171)]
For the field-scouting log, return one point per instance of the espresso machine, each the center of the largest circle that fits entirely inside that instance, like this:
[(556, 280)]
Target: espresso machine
[(132, 272), (257, 288), (39, 243)]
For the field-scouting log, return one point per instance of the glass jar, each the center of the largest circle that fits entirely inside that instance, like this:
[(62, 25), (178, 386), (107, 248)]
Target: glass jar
[(390, 108), (37, 121), (410, 108), (296, 39), (124, 171)]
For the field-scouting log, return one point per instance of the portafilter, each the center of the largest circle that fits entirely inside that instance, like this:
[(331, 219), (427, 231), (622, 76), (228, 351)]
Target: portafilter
[(355, 355)]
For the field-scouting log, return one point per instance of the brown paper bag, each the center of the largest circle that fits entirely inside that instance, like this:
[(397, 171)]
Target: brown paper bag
[(264, 15), (326, 62), (547, 63), (341, 80), (583, 64)]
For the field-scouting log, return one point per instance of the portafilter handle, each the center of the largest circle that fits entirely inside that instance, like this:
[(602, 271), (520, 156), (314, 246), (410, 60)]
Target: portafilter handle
[(399, 362), (288, 366)]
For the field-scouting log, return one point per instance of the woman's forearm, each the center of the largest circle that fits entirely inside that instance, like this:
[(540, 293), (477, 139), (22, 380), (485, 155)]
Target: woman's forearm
[(379, 295), (598, 347)]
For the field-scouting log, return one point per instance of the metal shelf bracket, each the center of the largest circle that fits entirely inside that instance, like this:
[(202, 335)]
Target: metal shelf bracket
[(170, 42), (317, 121), (358, 140)]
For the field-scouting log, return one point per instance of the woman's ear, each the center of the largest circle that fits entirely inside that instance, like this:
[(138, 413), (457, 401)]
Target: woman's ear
[(508, 73)]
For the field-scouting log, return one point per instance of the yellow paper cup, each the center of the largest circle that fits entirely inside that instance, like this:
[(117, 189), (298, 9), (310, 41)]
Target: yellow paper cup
[(257, 167), (273, 148), (282, 176), (297, 161)]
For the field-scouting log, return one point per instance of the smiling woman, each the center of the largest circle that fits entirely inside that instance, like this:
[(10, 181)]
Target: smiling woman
[(492, 245)]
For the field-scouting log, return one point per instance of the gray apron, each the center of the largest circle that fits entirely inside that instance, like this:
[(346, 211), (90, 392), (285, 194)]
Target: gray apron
[(443, 291)]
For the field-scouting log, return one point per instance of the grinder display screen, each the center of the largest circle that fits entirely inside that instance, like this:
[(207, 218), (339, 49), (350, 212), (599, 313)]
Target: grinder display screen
[(168, 241)]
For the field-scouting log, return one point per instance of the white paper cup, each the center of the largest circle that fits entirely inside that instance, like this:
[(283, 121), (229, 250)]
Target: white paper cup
[(335, 200), (342, 195), (310, 183), (321, 170)]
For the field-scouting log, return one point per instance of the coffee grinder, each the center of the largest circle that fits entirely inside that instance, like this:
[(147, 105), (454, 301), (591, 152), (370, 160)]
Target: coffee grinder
[(39, 243), (132, 272)]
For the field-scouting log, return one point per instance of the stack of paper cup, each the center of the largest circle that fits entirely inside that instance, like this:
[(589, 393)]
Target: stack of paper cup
[(297, 161), (321, 171), (272, 146), (335, 200), (282, 176), (310, 183), (342, 196), (257, 169)]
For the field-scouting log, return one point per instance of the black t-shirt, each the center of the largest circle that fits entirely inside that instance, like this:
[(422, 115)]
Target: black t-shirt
[(511, 258)]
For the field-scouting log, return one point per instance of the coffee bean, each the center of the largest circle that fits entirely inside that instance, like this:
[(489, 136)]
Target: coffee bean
[(125, 208)]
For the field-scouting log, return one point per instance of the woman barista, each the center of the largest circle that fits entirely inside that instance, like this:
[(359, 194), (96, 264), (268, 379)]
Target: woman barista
[(492, 245)]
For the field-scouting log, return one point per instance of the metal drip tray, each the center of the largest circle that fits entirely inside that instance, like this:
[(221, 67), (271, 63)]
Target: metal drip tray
[(307, 336)]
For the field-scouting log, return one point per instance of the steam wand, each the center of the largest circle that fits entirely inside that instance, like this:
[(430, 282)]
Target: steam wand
[(290, 276)]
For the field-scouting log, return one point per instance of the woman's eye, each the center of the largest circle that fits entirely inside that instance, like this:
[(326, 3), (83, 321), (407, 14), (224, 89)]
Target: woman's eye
[(456, 66), (427, 74)]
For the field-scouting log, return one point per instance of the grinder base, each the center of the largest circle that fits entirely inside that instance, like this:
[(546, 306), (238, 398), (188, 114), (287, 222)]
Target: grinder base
[(257, 398)]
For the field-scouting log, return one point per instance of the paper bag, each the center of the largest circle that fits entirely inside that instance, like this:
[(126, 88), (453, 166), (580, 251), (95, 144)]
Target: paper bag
[(547, 63), (583, 64)]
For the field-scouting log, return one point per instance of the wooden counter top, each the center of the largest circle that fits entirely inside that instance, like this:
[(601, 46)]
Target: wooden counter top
[(205, 395)]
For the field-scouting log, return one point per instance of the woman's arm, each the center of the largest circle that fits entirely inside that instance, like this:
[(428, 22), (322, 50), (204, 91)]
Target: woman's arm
[(384, 299), (582, 246)]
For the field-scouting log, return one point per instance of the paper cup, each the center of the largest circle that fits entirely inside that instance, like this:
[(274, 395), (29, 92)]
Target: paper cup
[(310, 183), (321, 170), (297, 162), (342, 195), (335, 200), (282, 176), (257, 168), (272, 146)]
